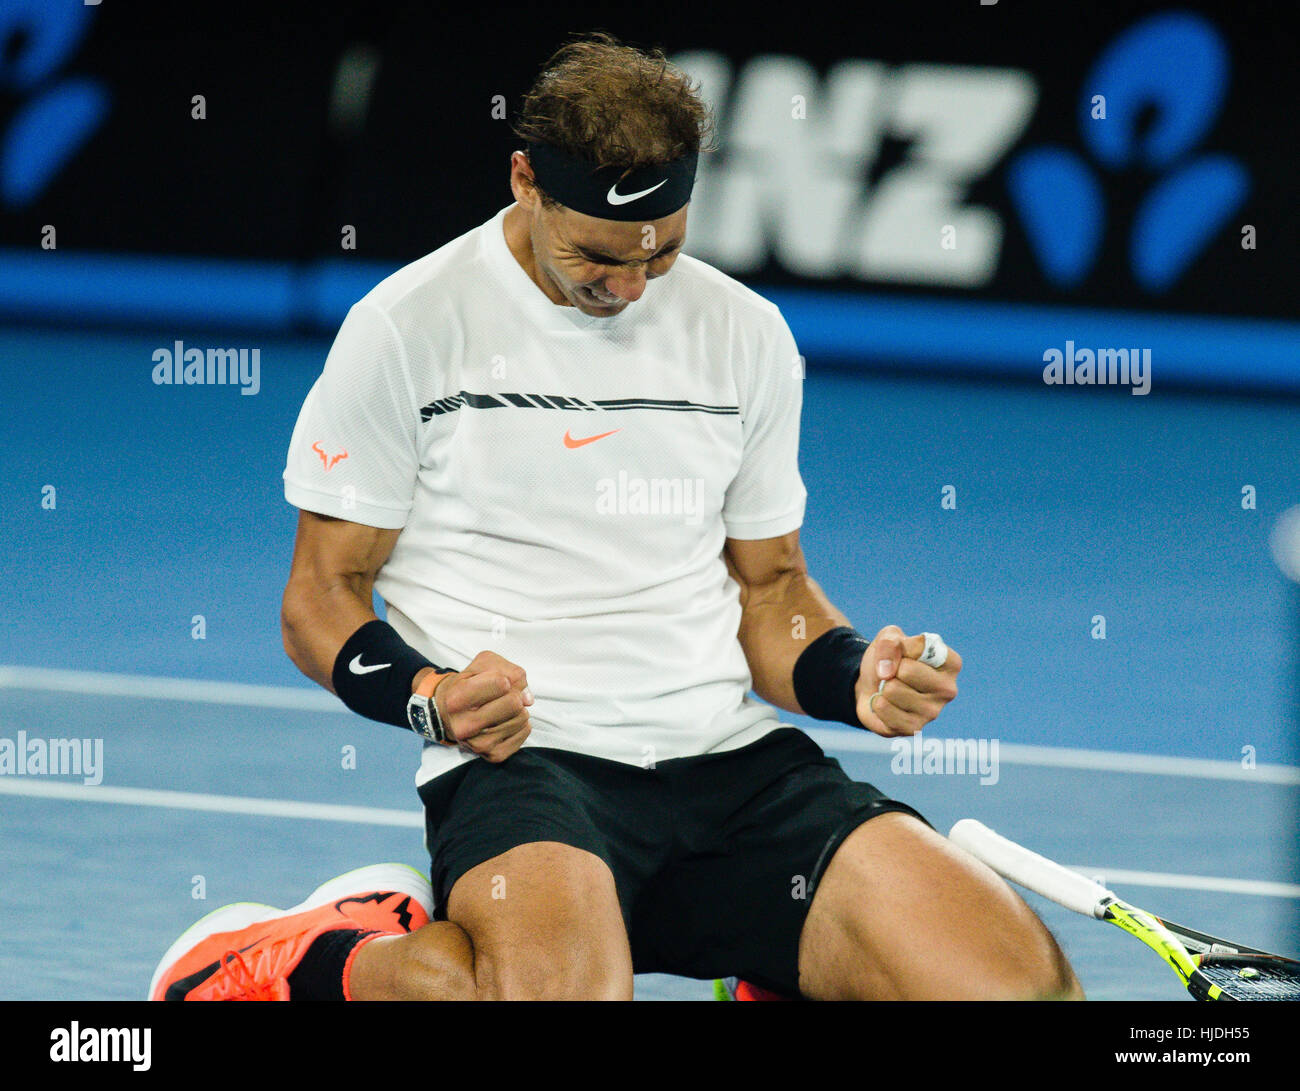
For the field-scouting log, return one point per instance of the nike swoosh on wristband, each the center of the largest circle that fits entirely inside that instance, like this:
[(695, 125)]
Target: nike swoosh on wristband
[(356, 668), (571, 443), (616, 198)]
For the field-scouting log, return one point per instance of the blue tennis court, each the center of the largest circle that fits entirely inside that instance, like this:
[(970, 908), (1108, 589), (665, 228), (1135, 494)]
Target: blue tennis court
[(148, 544)]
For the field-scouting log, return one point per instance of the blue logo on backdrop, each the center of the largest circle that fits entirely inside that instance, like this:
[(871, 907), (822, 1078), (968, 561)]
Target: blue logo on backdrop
[(59, 115), (1176, 64)]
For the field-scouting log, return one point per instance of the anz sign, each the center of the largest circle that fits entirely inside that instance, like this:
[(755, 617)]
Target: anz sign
[(796, 149)]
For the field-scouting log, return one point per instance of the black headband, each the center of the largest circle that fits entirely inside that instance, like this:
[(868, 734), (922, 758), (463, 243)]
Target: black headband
[(646, 193)]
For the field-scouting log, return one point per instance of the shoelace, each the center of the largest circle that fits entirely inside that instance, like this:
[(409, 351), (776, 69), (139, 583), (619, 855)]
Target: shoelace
[(242, 981)]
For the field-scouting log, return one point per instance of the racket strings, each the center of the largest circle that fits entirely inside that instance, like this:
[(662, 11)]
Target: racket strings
[(1245, 978)]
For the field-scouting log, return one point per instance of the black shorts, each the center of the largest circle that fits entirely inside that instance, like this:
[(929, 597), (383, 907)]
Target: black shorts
[(715, 858)]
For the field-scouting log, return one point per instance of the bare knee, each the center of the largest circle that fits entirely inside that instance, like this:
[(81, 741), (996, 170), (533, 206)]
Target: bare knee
[(541, 921), (545, 923), (442, 962), (435, 962), (1016, 958), (541, 976), (1042, 973), (902, 914)]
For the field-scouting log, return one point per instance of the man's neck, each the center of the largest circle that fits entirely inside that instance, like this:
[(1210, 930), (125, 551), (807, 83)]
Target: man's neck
[(520, 242)]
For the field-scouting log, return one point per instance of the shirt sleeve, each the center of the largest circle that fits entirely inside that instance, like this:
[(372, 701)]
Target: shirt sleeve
[(354, 453), (766, 498)]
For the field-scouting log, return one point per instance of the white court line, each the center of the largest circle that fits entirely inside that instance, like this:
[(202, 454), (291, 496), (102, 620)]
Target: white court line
[(843, 740), (192, 690), (1261, 887), (197, 801), (1060, 757), (378, 816)]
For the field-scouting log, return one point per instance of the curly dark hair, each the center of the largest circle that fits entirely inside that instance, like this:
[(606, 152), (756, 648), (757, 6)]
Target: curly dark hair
[(615, 105)]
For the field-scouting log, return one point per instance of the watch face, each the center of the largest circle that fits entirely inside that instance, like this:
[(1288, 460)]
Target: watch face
[(422, 722)]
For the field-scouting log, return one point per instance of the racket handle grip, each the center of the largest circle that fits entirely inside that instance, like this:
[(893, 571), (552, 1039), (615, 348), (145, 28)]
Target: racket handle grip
[(1028, 869)]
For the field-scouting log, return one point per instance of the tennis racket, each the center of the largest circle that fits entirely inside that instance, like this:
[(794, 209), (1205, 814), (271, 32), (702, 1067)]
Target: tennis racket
[(1211, 968)]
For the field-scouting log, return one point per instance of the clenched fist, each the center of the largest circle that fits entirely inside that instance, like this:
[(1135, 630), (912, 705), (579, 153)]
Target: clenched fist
[(483, 708), (914, 693)]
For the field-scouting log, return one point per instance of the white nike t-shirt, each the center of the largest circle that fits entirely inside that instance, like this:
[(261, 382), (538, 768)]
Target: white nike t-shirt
[(564, 485)]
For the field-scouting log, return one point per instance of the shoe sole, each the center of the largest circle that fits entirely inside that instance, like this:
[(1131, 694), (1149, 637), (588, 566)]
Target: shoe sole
[(401, 878)]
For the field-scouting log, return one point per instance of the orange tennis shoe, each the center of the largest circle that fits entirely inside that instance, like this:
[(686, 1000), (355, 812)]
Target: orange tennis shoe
[(247, 951)]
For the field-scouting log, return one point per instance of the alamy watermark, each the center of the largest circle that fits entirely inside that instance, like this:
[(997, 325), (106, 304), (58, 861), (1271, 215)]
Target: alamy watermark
[(26, 757), (116, 1045), (1102, 367), (181, 366), (945, 757), (628, 495)]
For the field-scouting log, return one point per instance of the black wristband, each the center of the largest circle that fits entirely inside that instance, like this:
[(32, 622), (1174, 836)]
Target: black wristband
[(826, 675), (373, 673)]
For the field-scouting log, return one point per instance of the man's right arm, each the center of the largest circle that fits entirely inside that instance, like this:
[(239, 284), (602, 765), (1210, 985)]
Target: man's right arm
[(329, 597), (329, 593)]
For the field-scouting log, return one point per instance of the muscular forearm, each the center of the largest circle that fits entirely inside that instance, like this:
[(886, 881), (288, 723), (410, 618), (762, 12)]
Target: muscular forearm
[(316, 621), (777, 623)]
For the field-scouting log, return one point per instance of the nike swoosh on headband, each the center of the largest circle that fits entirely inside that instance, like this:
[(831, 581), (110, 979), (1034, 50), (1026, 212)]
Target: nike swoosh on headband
[(616, 198), (356, 668)]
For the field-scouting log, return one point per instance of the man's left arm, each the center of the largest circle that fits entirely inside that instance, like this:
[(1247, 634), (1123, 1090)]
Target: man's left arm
[(783, 610)]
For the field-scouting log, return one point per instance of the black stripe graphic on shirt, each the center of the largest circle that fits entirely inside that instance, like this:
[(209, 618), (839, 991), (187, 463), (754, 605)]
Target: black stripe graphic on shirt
[(559, 401)]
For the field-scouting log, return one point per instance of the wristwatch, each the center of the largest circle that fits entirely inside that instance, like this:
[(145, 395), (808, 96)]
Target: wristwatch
[(422, 714)]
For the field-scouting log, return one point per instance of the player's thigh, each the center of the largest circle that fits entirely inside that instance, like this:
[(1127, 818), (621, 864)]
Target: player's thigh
[(545, 923), (902, 913)]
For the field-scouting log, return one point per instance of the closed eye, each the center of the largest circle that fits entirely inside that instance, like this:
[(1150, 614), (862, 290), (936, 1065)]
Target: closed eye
[(609, 259)]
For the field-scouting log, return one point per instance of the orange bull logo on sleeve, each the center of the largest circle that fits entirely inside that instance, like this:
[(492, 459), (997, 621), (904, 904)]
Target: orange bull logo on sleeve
[(330, 461)]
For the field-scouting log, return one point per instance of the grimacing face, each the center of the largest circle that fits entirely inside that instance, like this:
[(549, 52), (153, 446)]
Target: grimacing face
[(599, 266)]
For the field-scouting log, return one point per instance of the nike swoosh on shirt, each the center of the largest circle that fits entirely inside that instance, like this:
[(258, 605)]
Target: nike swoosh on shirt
[(616, 198), (570, 442), (356, 668)]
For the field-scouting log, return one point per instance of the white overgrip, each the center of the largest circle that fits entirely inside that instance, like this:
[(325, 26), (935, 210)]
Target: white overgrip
[(1028, 869)]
